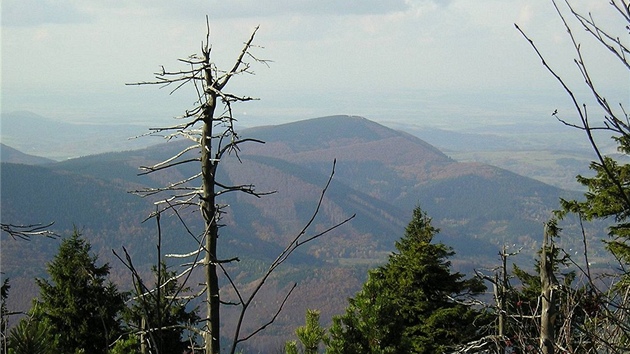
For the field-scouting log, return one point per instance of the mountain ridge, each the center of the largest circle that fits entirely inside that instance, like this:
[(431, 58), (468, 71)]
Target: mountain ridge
[(34, 134), (12, 155), (381, 174)]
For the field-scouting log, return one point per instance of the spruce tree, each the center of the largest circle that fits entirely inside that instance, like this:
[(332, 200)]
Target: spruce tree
[(33, 335), (162, 314), (4, 314), (78, 302), (410, 304), (310, 335), (608, 197)]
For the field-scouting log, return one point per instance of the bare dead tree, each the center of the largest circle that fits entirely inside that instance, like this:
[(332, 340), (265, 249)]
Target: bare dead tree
[(548, 290), (210, 84), (528, 315), (606, 297), (602, 306), (213, 139), (564, 316), (155, 304), (500, 280)]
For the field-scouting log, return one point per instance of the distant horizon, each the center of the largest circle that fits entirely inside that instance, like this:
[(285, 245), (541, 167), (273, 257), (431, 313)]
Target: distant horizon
[(450, 110), (524, 147), (452, 63)]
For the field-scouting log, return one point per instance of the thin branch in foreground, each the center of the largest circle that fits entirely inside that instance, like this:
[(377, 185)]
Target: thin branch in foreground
[(25, 232), (580, 109), (297, 241)]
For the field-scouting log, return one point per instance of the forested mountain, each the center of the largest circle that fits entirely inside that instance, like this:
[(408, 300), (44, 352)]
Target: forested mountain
[(381, 175), (468, 200), (9, 154)]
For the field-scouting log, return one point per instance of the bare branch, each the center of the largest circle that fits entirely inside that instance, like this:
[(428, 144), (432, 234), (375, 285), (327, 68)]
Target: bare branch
[(281, 258), (272, 320), (215, 139), (25, 232), (239, 61), (581, 109), (149, 169), (588, 23)]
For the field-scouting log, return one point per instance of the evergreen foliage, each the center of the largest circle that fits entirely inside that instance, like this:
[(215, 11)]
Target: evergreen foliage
[(524, 302), (310, 335), (130, 345), (290, 347), (608, 196), (574, 304), (78, 302), (163, 314), (410, 305), (4, 314), (32, 336)]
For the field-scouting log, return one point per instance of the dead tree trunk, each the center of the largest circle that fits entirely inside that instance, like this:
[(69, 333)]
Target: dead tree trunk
[(210, 215), (212, 145), (500, 289), (548, 284), (608, 196), (215, 139)]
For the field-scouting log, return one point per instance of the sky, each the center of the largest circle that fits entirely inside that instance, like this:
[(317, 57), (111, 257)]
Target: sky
[(448, 63)]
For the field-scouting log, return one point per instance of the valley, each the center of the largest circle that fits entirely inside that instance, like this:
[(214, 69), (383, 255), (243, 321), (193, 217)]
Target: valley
[(381, 175)]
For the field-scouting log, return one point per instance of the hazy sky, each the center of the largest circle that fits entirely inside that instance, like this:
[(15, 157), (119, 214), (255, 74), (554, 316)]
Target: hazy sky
[(420, 61)]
